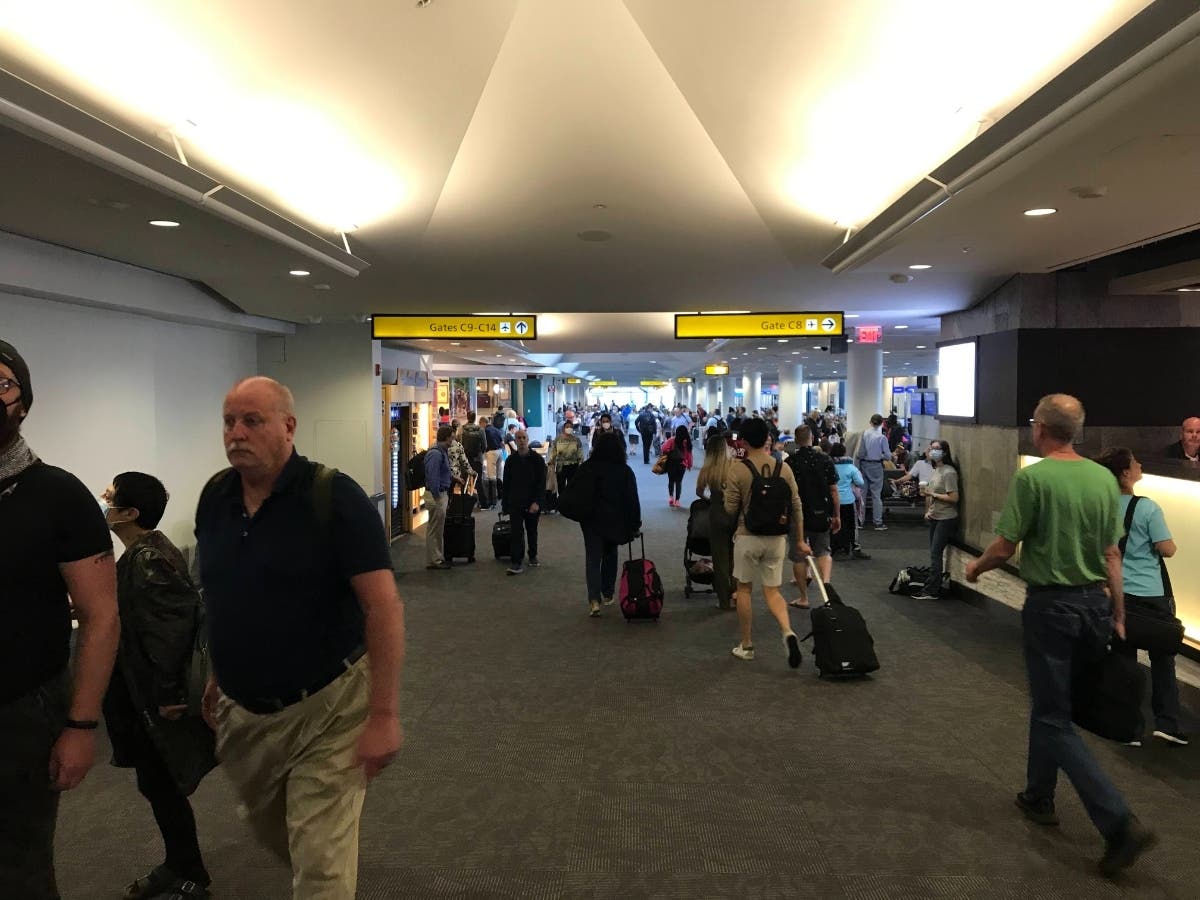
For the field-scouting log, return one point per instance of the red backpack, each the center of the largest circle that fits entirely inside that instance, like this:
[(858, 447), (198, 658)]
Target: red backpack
[(641, 590)]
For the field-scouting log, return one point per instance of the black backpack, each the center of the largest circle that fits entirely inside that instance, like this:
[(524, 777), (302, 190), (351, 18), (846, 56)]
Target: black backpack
[(770, 509), (813, 484), (474, 442), (414, 472)]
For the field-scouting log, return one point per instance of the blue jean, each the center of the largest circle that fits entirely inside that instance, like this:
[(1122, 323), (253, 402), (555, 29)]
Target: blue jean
[(600, 565), (1164, 689), (940, 533), (873, 473), (1059, 629)]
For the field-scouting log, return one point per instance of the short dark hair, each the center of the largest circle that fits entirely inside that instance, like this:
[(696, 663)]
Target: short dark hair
[(802, 436), (754, 432), (838, 449), (471, 417), (606, 415), (608, 447), (444, 433), (145, 493), (1117, 460), (877, 419)]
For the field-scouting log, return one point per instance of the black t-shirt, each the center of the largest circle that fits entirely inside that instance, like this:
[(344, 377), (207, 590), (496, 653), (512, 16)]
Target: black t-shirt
[(47, 517), (815, 474), (281, 611)]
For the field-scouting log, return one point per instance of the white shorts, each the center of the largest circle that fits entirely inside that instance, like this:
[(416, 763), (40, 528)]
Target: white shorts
[(759, 558)]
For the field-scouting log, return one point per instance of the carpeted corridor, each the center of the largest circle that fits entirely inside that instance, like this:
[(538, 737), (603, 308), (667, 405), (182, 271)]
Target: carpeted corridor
[(549, 755)]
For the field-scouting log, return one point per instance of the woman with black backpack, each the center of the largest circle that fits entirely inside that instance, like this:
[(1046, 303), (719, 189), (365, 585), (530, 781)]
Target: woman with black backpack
[(679, 460)]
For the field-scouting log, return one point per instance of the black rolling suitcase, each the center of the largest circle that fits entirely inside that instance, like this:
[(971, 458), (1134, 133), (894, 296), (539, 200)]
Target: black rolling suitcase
[(842, 645), (502, 537), (459, 535)]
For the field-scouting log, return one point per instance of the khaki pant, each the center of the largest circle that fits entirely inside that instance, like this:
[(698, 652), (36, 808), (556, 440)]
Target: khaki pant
[(435, 528), (301, 788)]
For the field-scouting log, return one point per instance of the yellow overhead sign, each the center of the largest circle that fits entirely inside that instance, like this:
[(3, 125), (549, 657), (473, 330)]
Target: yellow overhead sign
[(574, 381), (756, 325), (604, 384), (455, 328), (717, 369), (652, 383), (684, 380)]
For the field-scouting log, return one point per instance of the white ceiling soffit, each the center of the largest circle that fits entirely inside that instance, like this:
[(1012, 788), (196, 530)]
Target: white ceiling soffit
[(1152, 35)]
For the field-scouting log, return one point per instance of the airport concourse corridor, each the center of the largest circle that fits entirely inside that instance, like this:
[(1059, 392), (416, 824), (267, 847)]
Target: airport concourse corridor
[(549, 755)]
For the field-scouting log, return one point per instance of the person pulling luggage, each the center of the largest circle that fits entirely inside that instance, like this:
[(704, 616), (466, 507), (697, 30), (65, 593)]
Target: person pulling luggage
[(524, 489)]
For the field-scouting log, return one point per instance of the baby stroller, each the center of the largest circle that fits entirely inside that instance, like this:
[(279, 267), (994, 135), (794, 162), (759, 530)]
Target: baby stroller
[(697, 552)]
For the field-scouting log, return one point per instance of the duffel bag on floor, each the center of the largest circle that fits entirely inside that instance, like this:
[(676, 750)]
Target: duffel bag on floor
[(912, 580)]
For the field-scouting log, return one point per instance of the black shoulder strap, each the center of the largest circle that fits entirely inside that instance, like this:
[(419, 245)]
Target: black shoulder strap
[(778, 468), (1128, 523), (322, 494), (750, 466)]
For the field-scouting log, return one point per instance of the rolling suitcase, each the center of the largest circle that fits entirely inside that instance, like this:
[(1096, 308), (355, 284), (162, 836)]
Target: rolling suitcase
[(502, 537), (459, 538), (842, 645), (641, 590)]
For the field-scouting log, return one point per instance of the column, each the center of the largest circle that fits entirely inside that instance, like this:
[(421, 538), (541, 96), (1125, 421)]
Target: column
[(754, 392), (791, 396), (473, 394), (864, 385), (730, 386)]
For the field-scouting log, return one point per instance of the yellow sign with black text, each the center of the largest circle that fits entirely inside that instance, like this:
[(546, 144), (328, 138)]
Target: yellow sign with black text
[(454, 328), (604, 384), (758, 325), (652, 383), (684, 380), (574, 381), (717, 369)]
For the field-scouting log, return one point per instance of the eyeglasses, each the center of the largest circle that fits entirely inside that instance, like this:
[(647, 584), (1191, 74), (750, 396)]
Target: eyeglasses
[(7, 384)]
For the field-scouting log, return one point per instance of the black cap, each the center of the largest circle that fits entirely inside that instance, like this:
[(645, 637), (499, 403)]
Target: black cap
[(11, 358)]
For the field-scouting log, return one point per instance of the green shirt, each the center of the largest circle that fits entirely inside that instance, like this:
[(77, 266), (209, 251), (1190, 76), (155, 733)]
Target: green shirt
[(1064, 514)]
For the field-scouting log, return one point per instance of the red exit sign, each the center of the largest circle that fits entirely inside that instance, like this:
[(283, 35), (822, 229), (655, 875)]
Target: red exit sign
[(868, 334)]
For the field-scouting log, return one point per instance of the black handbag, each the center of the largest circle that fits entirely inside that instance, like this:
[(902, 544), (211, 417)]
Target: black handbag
[(1106, 696), (1148, 625)]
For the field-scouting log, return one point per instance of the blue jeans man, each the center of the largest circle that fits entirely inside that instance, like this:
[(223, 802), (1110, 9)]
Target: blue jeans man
[(1060, 627)]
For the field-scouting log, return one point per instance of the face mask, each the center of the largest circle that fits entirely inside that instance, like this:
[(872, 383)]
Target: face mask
[(936, 455), (567, 432)]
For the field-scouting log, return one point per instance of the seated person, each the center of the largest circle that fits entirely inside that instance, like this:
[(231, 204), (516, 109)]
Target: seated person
[(1188, 445)]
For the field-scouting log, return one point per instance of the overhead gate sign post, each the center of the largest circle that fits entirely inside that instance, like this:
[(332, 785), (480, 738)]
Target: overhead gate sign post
[(454, 328), (758, 325)]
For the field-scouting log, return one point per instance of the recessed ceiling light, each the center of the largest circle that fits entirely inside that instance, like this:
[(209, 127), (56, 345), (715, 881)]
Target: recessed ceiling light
[(920, 346), (653, 363), (300, 273), (599, 206), (499, 355), (851, 315), (920, 266), (783, 340), (901, 327), (322, 287), (887, 351), (849, 340), (456, 343), (164, 223), (1041, 211), (479, 349), (795, 352)]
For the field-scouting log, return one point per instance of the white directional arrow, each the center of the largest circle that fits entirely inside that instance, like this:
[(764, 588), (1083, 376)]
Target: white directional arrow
[(828, 324), (522, 327)]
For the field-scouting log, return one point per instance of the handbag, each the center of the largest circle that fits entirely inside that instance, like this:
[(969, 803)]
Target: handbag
[(660, 465), (1106, 696)]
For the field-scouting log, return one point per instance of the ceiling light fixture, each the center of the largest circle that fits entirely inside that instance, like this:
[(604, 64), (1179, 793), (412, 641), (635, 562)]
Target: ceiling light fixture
[(851, 315), (920, 266), (920, 346), (901, 327), (300, 273), (783, 340), (759, 348), (1041, 211), (164, 223)]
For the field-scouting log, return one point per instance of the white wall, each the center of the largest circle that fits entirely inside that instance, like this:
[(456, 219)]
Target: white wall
[(330, 370), (115, 392)]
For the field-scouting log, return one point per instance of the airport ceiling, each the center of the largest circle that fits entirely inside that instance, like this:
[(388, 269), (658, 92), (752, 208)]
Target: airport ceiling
[(607, 162)]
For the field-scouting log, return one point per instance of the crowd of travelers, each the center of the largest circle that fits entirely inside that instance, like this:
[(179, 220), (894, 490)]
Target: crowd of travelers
[(303, 710)]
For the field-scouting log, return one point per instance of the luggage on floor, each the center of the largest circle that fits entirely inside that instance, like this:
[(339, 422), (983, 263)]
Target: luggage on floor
[(460, 506), (502, 537), (1106, 696), (459, 537), (912, 580), (641, 590), (842, 645), (1151, 627)]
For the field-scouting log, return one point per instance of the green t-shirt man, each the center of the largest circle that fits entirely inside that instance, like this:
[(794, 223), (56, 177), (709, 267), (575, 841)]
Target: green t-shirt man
[(1064, 512)]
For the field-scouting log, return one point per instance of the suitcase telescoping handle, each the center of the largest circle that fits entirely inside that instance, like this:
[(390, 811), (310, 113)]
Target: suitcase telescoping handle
[(642, 535), (817, 580)]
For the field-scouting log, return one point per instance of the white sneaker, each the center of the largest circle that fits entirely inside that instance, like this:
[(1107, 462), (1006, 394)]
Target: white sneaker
[(741, 652)]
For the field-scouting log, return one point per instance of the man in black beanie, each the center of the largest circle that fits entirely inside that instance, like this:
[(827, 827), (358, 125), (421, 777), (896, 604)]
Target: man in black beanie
[(53, 541)]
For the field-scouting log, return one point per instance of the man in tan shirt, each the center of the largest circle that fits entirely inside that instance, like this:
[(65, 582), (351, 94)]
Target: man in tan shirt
[(760, 556)]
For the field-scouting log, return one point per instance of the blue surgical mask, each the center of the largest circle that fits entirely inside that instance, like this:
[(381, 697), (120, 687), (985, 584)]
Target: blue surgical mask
[(936, 455)]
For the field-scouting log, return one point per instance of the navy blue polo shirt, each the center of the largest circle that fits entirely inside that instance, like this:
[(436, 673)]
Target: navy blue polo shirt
[(281, 611)]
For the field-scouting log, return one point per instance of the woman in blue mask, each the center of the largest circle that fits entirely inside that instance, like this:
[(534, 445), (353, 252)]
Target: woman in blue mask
[(941, 512)]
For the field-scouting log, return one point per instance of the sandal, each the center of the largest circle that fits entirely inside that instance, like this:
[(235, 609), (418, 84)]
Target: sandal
[(186, 890), (797, 604), (153, 883)]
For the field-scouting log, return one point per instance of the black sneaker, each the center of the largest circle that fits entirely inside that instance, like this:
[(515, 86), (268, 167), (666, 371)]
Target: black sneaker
[(861, 554), (1122, 851), (534, 561), (1178, 738), (793, 650), (1040, 811)]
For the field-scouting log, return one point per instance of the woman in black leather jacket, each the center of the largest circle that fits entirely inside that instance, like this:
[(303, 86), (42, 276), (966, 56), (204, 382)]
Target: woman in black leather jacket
[(146, 706)]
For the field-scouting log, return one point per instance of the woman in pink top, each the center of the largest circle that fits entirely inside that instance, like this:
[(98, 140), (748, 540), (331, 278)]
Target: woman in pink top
[(679, 460)]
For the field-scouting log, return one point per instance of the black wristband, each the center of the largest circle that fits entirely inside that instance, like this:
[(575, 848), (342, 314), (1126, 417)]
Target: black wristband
[(83, 724)]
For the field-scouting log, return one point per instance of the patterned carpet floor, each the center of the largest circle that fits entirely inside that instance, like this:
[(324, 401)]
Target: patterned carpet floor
[(549, 755)]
